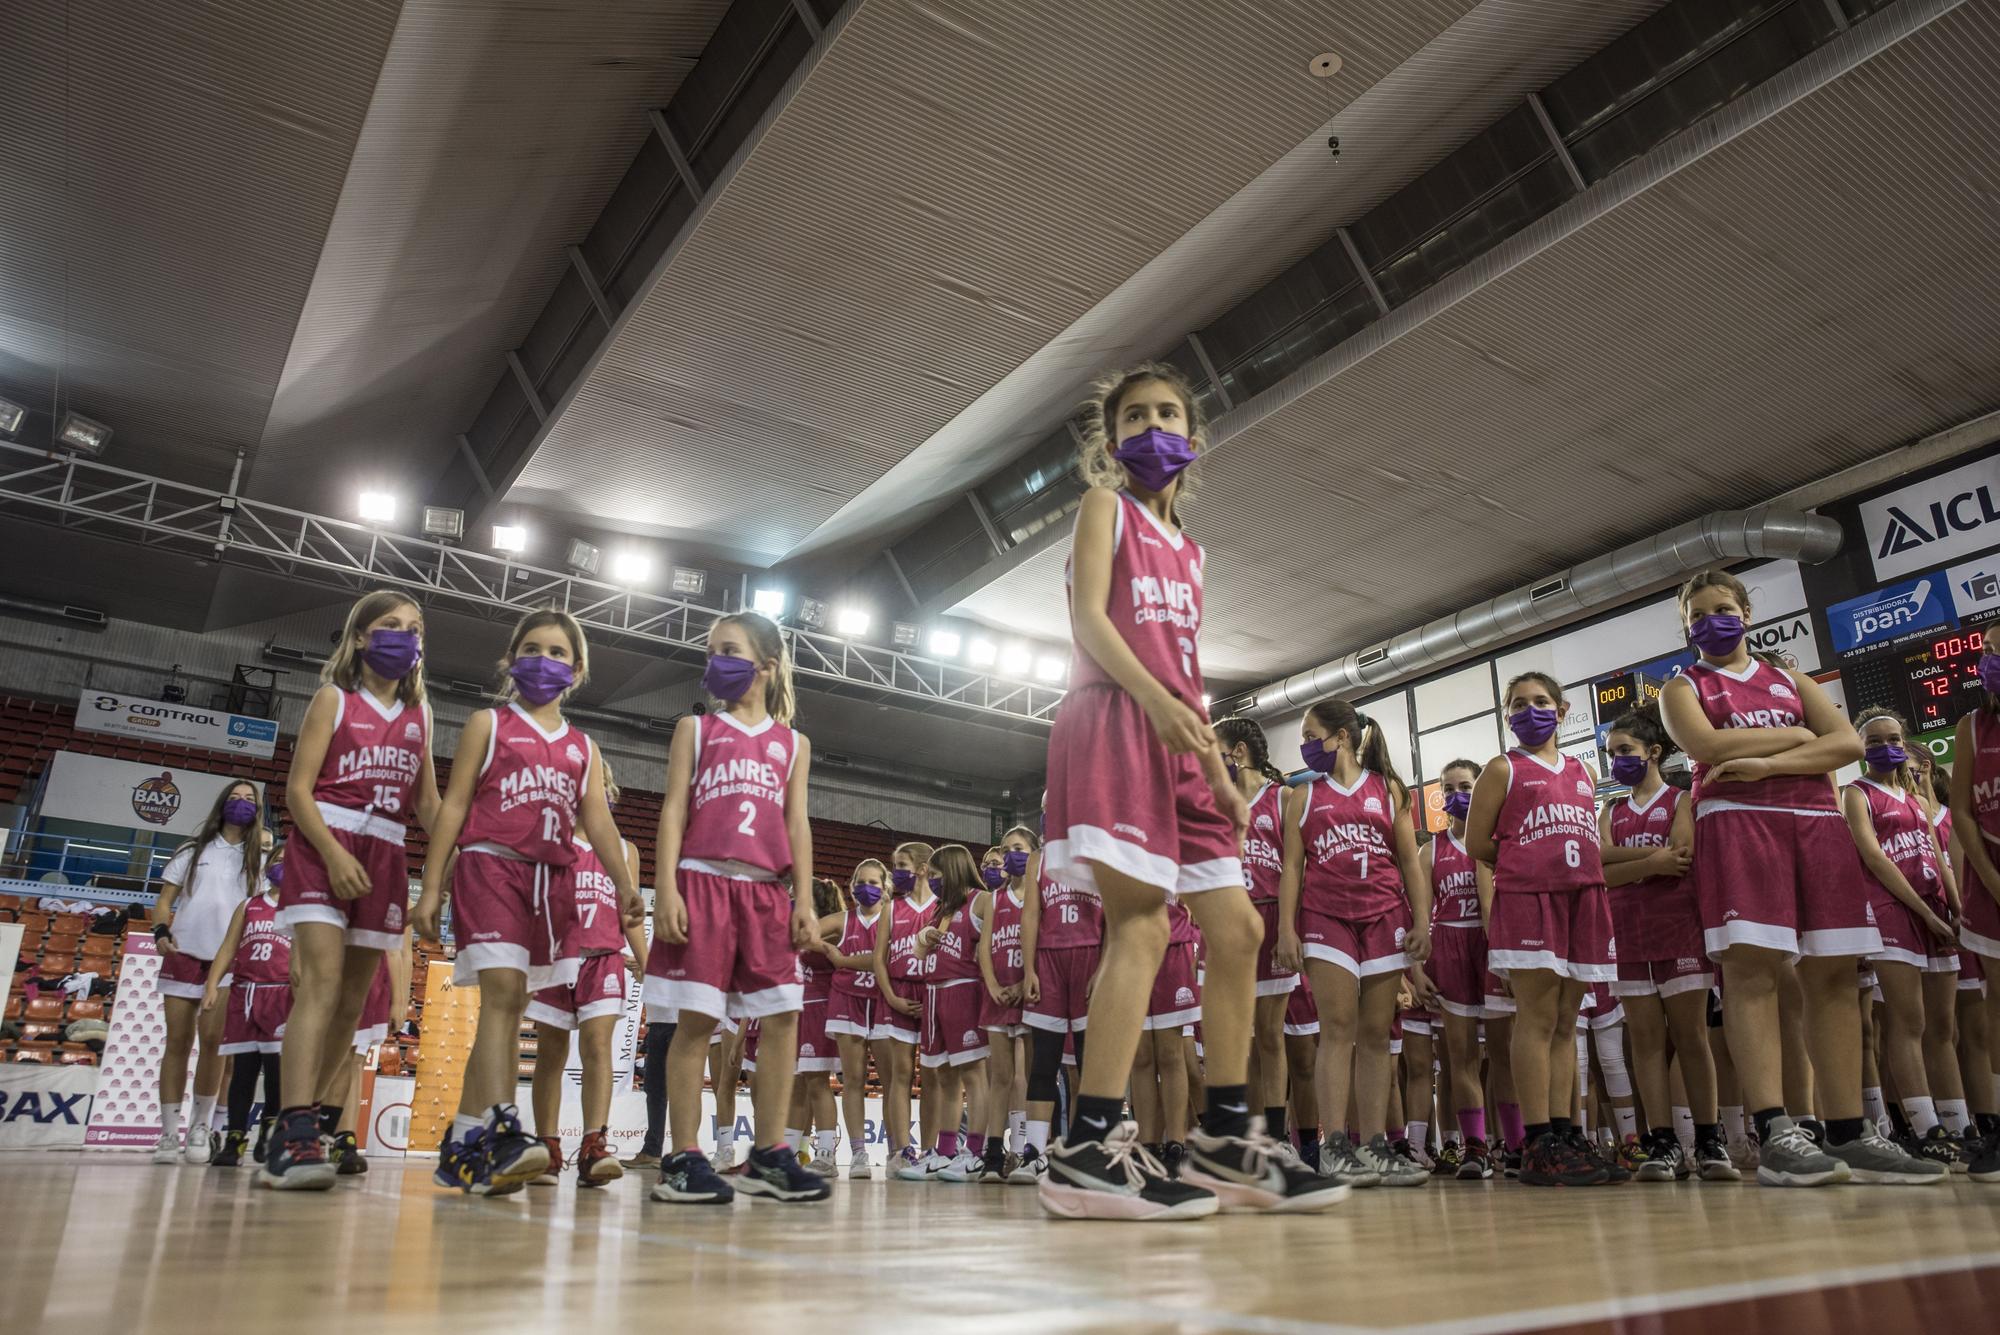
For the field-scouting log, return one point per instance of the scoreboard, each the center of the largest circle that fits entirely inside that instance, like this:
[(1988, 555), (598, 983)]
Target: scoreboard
[(1627, 690), (1932, 683)]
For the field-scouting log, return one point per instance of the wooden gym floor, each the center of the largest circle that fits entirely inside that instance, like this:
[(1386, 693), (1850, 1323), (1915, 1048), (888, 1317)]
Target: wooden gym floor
[(108, 1242)]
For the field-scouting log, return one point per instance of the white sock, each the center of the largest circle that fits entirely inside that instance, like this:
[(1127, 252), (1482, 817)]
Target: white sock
[(1628, 1121), (725, 1137), (1017, 1130), (1874, 1108), (793, 1138), (1453, 1136), (826, 1143), (170, 1121), (464, 1125), (1922, 1114), (204, 1113), (1955, 1115), (1418, 1134), (1684, 1129), (1038, 1136), (1732, 1124)]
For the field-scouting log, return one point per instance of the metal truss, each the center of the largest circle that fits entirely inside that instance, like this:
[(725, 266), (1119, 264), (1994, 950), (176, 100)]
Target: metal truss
[(86, 496)]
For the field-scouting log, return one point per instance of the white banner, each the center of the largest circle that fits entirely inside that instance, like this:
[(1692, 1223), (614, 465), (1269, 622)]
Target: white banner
[(1930, 523), (176, 724), (1791, 638), (45, 1107), (118, 792)]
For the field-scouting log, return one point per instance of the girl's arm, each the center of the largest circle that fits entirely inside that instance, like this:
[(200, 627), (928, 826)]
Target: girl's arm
[(594, 814), (1031, 927), (1854, 803), (885, 926), (799, 828), (1489, 791), (428, 917), (635, 940), (670, 915), (1948, 876), (427, 778), (1623, 866), (1175, 722), (1416, 882), (1289, 952), (1681, 836), (986, 948), (1680, 709), (1482, 881), (163, 906), (225, 955), (344, 873), (1834, 742)]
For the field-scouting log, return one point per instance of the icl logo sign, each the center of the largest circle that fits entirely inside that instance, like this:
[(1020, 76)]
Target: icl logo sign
[(1932, 522)]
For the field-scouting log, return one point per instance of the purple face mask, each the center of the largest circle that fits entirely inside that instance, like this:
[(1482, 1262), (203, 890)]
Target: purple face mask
[(867, 894), (1154, 458), (275, 874), (1316, 757), (239, 811), (540, 680), (392, 653), (903, 879), (1886, 756), (1015, 861), (1989, 672), (995, 877), (1533, 725), (728, 678), (1456, 804), (1628, 770), (1716, 636)]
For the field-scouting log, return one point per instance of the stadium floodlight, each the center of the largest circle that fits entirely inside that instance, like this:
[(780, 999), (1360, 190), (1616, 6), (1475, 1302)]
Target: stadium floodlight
[(377, 507)]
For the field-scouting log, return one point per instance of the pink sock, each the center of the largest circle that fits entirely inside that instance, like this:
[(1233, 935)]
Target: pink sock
[(1511, 1124), (948, 1144), (1397, 1133), (1472, 1124), (976, 1142)]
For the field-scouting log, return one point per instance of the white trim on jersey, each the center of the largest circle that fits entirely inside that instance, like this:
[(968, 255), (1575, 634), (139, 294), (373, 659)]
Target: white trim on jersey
[(748, 730), (1651, 802), (339, 708), (1176, 540), (1749, 670), (387, 715), (492, 740), (1562, 761), (529, 719)]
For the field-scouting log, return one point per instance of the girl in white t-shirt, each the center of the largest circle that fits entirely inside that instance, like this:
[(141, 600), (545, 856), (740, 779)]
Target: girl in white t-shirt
[(200, 890)]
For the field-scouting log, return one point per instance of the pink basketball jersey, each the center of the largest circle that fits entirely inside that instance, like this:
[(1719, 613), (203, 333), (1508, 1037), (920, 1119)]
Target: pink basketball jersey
[(1006, 930), (1264, 843), (906, 921), (856, 938), (736, 805), (374, 758), (1071, 918), (1904, 830), (1760, 697), (264, 955), (1986, 774), (1648, 826), (956, 955), (529, 786), (1454, 881), (1155, 604), (1547, 829), (598, 930), (1350, 869)]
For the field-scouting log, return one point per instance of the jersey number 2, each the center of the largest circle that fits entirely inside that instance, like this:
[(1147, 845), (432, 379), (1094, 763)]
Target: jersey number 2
[(749, 810)]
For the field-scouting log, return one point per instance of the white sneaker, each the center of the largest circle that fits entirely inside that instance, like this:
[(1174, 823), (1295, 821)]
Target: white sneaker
[(200, 1145), (860, 1169), (823, 1166), (924, 1169), (1028, 1173), (724, 1157), (962, 1167), (169, 1149)]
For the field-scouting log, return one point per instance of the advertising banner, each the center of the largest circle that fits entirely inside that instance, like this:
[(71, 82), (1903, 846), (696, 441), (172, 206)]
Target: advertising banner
[(176, 724), (140, 797), (126, 1112), (45, 1107), (1930, 523)]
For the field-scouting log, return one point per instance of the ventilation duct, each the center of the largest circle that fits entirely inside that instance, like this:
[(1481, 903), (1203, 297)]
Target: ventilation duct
[(1569, 595), (28, 607)]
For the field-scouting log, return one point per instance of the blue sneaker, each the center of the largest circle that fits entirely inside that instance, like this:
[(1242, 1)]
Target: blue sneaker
[(468, 1165), (513, 1157), (688, 1178), (296, 1161), (775, 1173)]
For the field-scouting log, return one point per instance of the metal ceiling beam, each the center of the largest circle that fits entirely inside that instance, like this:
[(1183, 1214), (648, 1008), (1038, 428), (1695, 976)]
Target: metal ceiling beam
[(86, 496)]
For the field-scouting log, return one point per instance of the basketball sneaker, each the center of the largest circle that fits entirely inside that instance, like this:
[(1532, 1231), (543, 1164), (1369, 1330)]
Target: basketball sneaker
[(859, 1169), (1939, 1146), (1712, 1162), (1558, 1161), (1642, 1161), (1341, 1162), (347, 1157), (1173, 1157), (1116, 1178), (688, 1178), (595, 1163), (1788, 1158), (1249, 1173), (168, 1148), (1395, 1169), (1985, 1165), (911, 1167), (642, 1160), (513, 1157), (258, 1150), (961, 1167), (1475, 1163), (1029, 1172), (552, 1175), (295, 1160), (234, 1145), (200, 1144), (823, 1166), (1875, 1161), (1449, 1159), (1667, 1161), (725, 1156), (1510, 1163), (775, 1174)]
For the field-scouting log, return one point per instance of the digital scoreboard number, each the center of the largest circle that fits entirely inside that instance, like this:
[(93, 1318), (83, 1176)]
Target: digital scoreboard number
[(1627, 690), (1941, 677)]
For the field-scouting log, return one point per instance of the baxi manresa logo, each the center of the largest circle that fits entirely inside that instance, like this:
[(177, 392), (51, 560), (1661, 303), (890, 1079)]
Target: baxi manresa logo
[(156, 800)]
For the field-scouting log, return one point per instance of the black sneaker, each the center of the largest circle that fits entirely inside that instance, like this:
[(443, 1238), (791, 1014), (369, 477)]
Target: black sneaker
[(1510, 1163), (1712, 1161), (1939, 1146), (1475, 1161), (1116, 1179), (263, 1139), (1449, 1158), (468, 1165), (234, 1144), (688, 1178), (774, 1173), (1249, 1173), (1615, 1173), (1308, 1148), (1666, 1149), (295, 1161), (346, 1155), (1174, 1157), (1985, 1166), (513, 1157), (1556, 1161)]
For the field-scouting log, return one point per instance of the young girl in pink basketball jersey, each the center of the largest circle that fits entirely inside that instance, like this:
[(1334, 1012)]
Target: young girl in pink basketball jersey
[(1978, 1065), (1917, 966), (1353, 913), (1062, 935), (899, 973), (524, 784), (1663, 969), (361, 771), (1002, 910), (1533, 820), (1140, 809), (591, 1007), (727, 933), (1247, 755), (855, 1007), (1975, 810), (1159, 1069), (253, 969), (1779, 885), (954, 1046)]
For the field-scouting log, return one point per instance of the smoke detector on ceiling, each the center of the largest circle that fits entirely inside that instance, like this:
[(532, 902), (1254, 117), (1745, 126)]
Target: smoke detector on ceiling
[(1325, 65)]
